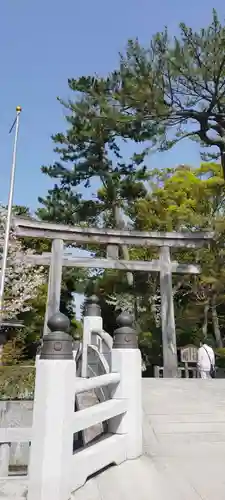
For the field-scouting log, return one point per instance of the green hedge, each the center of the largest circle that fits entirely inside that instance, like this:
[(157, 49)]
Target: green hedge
[(17, 382)]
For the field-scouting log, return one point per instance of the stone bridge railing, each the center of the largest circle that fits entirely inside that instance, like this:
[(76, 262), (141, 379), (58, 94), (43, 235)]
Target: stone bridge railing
[(55, 470)]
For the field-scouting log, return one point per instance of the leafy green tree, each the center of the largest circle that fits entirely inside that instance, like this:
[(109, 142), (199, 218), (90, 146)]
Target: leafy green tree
[(186, 199)]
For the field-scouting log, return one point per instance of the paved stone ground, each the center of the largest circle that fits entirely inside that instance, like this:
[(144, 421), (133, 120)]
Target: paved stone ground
[(133, 480), (184, 446), (184, 434)]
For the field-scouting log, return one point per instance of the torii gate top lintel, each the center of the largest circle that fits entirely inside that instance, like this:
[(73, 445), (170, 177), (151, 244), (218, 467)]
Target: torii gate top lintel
[(77, 234)]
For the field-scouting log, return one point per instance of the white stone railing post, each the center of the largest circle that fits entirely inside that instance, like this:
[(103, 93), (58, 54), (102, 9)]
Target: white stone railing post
[(126, 359), (4, 459), (92, 322), (76, 345), (52, 437)]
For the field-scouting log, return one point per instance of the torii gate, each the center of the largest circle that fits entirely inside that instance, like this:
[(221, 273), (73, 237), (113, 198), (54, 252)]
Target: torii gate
[(113, 238)]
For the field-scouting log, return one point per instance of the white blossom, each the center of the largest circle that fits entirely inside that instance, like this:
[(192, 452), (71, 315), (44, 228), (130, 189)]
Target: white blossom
[(22, 280), (123, 301)]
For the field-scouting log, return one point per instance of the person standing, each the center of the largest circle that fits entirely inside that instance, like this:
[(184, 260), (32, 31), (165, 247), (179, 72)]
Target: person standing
[(206, 361)]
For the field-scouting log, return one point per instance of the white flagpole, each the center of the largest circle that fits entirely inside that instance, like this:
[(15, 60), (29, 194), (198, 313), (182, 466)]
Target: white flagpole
[(9, 210)]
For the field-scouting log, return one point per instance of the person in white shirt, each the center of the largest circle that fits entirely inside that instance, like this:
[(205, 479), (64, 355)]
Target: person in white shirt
[(206, 361)]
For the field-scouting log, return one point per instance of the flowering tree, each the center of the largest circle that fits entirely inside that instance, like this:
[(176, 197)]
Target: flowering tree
[(22, 280)]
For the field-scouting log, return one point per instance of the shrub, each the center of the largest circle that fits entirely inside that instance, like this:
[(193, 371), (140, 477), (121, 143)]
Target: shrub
[(17, 382)]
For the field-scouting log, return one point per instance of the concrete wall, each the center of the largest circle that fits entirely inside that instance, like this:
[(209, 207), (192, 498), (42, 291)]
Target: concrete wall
[(20, 414), (17, 414)]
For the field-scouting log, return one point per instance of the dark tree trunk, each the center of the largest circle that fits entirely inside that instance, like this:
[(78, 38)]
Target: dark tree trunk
[(215, 321)]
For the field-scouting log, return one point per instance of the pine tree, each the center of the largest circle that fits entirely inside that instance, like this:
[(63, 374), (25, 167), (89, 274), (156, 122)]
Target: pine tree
[(90, 152), (174, 89)]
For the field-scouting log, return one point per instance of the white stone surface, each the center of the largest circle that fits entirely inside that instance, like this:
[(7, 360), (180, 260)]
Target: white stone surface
[(127, 362), (184, 444), (4, 459), (51, 449), (90, 323), (13, 488), (111, 449), (123, 411), (86, 400), (134, 480), (17, 414), (98, 413)]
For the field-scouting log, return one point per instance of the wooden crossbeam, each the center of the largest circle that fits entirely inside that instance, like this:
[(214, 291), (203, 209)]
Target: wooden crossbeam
[(123, 265), (37, 229)]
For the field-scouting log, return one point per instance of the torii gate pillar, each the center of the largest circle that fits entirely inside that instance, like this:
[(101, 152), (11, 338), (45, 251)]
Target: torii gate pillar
[(167, 315)]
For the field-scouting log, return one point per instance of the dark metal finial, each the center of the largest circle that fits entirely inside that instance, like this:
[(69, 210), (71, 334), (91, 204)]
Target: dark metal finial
[(92, 307), (58, 344), (125, 336), (59, 322)]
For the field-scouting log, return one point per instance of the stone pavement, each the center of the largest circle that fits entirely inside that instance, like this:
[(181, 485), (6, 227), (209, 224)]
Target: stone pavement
[(133, 480), (184, 448), (184, 434)]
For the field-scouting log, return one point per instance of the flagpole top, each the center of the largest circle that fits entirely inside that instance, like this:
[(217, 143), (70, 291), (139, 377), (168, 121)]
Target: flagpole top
[(18, 109)]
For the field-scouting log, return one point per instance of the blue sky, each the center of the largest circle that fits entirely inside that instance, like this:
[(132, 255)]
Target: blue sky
[(43, 43)]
